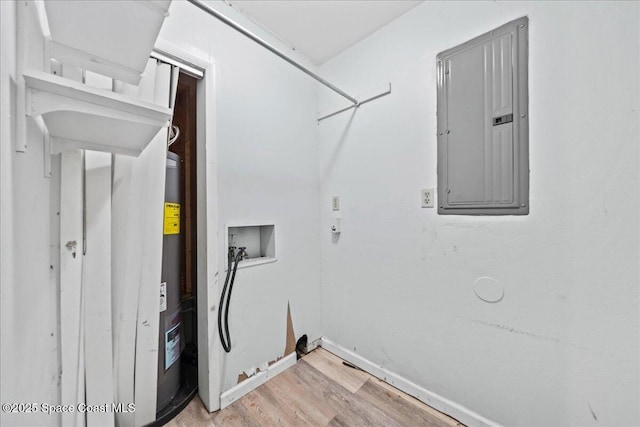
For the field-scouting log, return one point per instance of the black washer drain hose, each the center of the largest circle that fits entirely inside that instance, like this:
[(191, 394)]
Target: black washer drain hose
[(225, 337)]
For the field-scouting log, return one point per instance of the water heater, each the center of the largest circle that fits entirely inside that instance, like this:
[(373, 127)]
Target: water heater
[(170, 308)]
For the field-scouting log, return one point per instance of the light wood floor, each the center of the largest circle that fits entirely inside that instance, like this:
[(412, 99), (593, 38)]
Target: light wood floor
[(319, 390)]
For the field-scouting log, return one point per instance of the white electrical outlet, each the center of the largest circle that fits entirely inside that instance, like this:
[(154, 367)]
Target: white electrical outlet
[(335, 203), (427, 198)]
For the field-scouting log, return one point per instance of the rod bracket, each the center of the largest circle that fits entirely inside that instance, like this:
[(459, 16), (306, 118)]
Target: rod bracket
[(367, 97)]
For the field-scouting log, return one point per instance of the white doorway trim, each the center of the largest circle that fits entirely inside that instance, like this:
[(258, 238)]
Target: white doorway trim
[(209, 354)]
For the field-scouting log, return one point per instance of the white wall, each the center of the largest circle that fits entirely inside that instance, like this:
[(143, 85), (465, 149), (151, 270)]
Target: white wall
[(29, 293), (397, 285), (267, 173), (561, 348)]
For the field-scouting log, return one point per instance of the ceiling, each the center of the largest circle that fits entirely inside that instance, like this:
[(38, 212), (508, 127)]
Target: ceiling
[(321, 29)]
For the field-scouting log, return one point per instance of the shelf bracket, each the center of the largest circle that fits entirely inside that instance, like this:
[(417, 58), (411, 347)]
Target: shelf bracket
[(20, 139)]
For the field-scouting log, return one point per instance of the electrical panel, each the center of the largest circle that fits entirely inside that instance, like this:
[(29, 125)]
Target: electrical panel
[(483, 147)]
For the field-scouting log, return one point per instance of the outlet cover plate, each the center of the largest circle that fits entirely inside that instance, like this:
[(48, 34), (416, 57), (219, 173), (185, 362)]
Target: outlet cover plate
[(427, 197)]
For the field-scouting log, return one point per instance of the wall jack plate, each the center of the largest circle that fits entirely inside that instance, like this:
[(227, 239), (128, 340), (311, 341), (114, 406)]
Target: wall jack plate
[(427, 197)]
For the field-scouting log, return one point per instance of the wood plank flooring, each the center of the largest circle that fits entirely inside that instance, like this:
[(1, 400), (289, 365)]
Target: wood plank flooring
[(319, 390)]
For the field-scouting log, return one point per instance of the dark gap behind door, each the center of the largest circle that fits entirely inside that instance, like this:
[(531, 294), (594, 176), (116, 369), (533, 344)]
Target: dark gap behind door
[(185, 146)]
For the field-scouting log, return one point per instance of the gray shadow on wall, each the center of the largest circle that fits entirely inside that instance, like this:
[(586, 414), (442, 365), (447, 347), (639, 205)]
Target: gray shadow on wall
[(338, 147)]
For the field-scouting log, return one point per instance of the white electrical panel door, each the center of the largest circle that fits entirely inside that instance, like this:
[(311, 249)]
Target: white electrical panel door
[(482, 131)]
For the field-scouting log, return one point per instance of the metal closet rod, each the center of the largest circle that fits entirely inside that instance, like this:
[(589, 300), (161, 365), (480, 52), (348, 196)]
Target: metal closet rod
[(211, 11)]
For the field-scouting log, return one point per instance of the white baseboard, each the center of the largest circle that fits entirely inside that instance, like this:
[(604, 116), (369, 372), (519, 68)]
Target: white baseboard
[(255, 381), (442, 404), (454, 410)]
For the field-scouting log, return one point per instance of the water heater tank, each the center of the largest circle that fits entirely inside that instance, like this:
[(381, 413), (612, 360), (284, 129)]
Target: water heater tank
[(170, 324)]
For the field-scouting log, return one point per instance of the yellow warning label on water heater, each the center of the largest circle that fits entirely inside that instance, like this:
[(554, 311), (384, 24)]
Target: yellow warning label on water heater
[(171, 218)]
